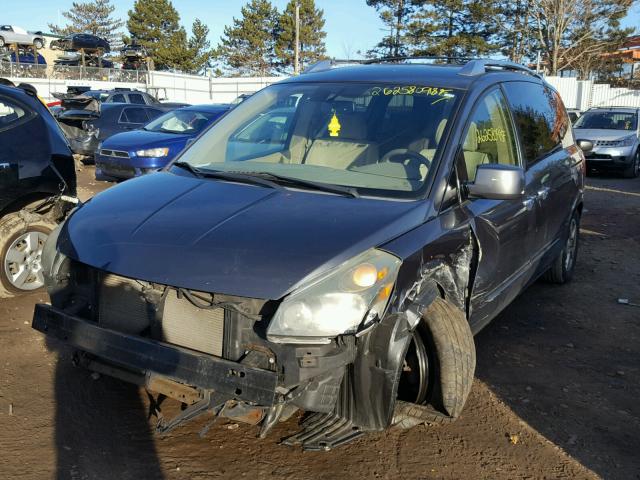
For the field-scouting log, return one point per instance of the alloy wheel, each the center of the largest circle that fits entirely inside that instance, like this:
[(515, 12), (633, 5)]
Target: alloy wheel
[(571, 246)]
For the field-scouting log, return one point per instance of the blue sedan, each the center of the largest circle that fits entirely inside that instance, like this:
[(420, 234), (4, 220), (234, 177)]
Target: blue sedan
[(131, 154)]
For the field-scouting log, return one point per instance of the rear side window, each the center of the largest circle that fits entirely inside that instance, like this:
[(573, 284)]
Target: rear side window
[(11, 113), (137, 99), (134, 115), (541, 118), (490, 137), (118, 98)]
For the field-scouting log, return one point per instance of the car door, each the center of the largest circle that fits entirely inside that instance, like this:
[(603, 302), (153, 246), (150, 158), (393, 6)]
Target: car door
[(551, 160), (23, 149), (502, 227), (8, 34)]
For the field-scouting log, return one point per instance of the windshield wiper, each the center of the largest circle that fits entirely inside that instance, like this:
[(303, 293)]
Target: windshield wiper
[(239, 177), (307, 184)]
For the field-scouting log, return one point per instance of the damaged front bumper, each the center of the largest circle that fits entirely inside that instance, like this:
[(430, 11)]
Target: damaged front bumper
[(139, 354), (308, 378)]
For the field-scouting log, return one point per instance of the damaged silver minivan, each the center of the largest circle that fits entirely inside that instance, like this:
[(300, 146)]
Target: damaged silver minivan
[(331, 245)]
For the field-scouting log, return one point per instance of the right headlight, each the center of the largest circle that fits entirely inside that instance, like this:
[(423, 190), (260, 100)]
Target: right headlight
[(339, 302)]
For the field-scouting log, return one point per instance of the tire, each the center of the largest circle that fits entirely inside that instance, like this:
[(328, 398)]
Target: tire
[(22, 237), (38, 43), (446, 333), (633, 170), (562, 268)]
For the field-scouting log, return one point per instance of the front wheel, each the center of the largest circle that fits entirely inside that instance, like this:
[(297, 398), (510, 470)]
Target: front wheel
[(22, 240), (633, 170), (561, 271)]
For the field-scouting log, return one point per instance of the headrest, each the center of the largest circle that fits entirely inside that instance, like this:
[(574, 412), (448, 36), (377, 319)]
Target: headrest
[(440, 130), (471, 140)]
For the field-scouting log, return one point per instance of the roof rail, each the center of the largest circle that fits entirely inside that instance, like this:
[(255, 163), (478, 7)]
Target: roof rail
[(332, 62), (329, 63), (479, 66), (472, 66)]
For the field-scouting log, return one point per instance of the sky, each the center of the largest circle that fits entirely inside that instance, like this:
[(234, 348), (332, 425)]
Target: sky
[(350, 24)]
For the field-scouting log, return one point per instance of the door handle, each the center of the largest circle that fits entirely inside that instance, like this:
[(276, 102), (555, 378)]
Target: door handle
[(529, 202), (543, 193)]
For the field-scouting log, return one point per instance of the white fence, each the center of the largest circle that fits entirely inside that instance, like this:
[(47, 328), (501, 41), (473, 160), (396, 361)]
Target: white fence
[(580, 94), (584, 94), (169, 86)]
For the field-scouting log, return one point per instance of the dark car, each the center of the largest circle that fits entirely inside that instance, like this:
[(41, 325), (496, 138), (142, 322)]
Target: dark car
[(131, 154), (81, 41), (37, 186), (74, 59), (134, 57), (86, 127), (614, 133), (344, 268)]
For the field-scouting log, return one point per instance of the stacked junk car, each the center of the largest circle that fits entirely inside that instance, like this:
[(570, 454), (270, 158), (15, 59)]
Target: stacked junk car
[(330, 245)]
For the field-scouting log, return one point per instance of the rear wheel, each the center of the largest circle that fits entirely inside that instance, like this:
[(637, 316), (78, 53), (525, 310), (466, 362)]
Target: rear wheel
[(38, 43), (561, 271), (22, 239), (633, 170)]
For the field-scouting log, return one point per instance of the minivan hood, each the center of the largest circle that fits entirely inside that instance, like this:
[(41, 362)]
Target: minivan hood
[(601, 134), (221, 237)]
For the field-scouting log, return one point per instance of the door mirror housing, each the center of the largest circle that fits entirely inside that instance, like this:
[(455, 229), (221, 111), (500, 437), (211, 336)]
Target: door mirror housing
[(585, 145), (497, 182)]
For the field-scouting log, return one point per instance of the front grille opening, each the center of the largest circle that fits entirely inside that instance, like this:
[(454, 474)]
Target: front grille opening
[(137, 308)]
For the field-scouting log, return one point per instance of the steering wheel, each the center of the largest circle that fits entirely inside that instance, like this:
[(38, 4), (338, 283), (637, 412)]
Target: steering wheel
[(407, 154)]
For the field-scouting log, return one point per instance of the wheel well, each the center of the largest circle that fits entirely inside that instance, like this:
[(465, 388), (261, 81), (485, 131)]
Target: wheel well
[(23, 202)]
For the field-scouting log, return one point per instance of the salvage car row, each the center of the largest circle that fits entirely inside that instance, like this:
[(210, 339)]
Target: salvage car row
[(332, 244)]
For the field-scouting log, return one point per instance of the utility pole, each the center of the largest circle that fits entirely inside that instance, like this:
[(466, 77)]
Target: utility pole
[(296, 64)]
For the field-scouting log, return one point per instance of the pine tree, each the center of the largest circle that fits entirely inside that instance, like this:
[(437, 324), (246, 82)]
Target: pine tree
[(155, 24), (455, 28), (200, 52), (248, 46), (395, 14), (311, 35), (93, 17)]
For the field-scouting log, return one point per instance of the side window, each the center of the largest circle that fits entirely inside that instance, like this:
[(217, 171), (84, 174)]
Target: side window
[(153, 113), (136, 98), (10, 114), (541, 118), (134, 115), (118, 98), (490, 136)]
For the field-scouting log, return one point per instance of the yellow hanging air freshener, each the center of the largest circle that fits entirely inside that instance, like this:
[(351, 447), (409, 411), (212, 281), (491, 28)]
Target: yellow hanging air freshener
[(334, 126)]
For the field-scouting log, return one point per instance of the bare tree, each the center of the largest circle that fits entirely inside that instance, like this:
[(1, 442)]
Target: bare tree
[(572, 32)]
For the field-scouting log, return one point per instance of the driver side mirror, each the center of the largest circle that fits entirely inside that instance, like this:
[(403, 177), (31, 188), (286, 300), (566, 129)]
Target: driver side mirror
[(497, 182)]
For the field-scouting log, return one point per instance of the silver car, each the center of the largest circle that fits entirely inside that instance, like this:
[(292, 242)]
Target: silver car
[(11, 34), (614, 134)]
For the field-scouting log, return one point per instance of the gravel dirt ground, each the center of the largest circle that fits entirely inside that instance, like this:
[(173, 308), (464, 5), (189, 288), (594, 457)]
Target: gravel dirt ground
[(555, 397)]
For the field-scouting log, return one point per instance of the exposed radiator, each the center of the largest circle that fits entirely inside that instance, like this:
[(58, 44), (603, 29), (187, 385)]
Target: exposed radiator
[(186, 325), (122, 307)]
